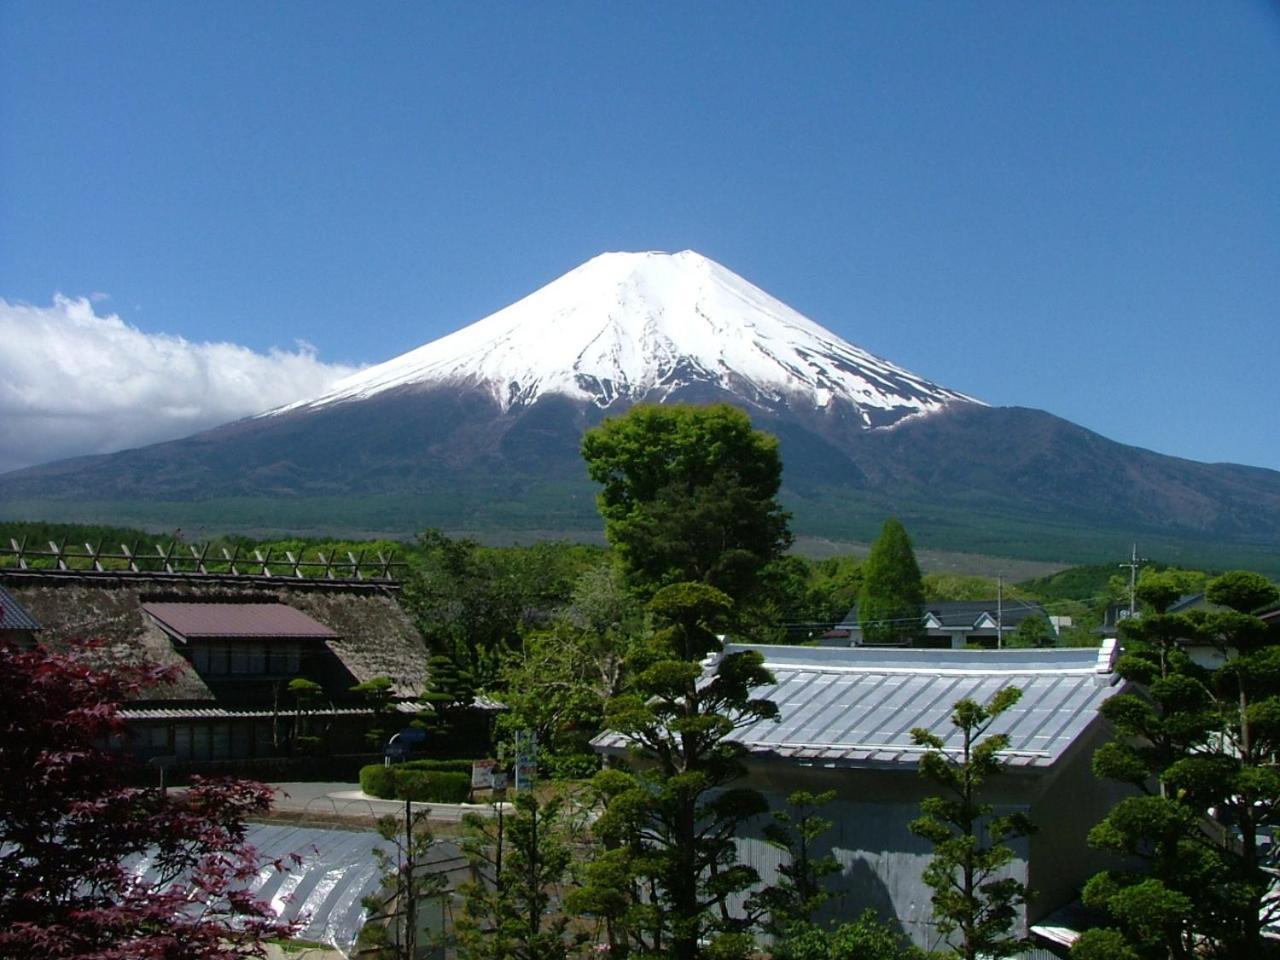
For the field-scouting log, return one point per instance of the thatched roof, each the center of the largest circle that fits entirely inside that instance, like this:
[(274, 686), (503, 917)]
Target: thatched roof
[(374, 635)]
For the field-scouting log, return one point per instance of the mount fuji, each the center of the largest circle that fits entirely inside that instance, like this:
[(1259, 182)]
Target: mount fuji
[(625, 327), (479, 431)]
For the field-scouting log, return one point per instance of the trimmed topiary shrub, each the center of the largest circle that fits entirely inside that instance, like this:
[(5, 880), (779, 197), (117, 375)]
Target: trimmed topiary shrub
[(378, 781), (432, 786), (449, 787), (446, 766), (413, 785), (402, 782)]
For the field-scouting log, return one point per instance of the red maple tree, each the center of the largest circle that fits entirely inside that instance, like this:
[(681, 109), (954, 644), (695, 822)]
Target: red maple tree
[(97, 870)]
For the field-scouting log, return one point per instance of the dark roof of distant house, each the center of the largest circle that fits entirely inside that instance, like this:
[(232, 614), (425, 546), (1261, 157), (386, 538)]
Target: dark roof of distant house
[(965, 614), (1119, 611), (857, 706), (259, 620), (13, 616), (1193, 601)]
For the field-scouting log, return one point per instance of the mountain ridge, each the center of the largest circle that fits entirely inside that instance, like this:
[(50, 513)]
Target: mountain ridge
[(628, 325), (485, 431)]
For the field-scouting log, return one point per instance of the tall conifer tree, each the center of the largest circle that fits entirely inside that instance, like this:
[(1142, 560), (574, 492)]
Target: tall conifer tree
[(891, 604), (689, 502), (975, 904), (1198, 748)]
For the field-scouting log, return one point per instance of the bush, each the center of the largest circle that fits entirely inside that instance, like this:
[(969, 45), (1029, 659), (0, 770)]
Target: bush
[(403, 782), (441, 766), (378, 781), (569, 766), (413, 785), (866, 938), (433, 786)]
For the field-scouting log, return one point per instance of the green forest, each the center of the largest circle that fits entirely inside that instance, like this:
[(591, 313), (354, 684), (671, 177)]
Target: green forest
[(637, 857)]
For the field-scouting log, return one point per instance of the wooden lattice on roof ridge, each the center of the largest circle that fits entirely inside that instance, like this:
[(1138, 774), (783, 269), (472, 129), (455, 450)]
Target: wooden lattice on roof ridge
[(170, 560)]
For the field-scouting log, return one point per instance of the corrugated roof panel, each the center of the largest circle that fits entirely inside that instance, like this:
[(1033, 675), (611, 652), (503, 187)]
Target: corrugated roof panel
[(795, 697), (930, 707), (1052, 699), (1067, 723), (864, 726), (854, 699)]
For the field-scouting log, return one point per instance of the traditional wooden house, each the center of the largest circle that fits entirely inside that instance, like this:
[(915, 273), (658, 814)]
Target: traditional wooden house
[(233, 639), (845, 724)]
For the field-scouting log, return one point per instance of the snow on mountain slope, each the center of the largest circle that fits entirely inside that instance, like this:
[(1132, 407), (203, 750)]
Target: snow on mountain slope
[(627, 326)]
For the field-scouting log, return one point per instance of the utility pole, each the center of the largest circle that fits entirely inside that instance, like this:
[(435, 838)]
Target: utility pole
[(1134, 563), (410, 892), (1000, 611)]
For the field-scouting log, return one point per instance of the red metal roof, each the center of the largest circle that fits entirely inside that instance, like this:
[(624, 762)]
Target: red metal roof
[(190, 620)]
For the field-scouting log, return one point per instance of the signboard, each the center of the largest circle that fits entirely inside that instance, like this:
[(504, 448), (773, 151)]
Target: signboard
[(526, 772), (526, 759), (483, 773)]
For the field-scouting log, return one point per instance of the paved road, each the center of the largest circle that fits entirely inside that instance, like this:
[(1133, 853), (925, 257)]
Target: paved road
[(346, 800)]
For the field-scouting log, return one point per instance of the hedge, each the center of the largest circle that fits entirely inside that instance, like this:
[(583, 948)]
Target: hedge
[(404, 781), (433, 786), (378, 781), (446, 766)]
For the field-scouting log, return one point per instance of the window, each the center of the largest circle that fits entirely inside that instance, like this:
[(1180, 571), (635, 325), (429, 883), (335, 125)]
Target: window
[(219, 741), (254, 657), (220, 658), (242, 739), (156, 738), (199, 741), (182, 741)]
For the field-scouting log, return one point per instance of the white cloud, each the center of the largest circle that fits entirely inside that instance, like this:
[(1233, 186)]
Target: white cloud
[(75, 382)]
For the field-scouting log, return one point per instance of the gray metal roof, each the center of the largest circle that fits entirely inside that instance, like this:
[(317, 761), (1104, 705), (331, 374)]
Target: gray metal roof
[(13, 616), (856, 706)]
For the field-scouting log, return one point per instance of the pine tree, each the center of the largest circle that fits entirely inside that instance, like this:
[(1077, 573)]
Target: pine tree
[(448, 691), (1197, 747), (974, 906), (377, 692), (684, 815), (521, 860), (891, 604), (799, 890), (689, 501), (392, 931)]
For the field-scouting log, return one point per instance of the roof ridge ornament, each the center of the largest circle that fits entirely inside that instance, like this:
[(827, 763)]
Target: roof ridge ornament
[(1105, 669)]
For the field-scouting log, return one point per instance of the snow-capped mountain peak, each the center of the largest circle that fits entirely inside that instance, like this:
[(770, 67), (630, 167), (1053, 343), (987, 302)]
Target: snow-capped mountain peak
[(631, 326)]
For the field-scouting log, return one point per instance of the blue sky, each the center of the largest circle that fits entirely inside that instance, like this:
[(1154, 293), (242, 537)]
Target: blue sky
[(1069, 206)]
